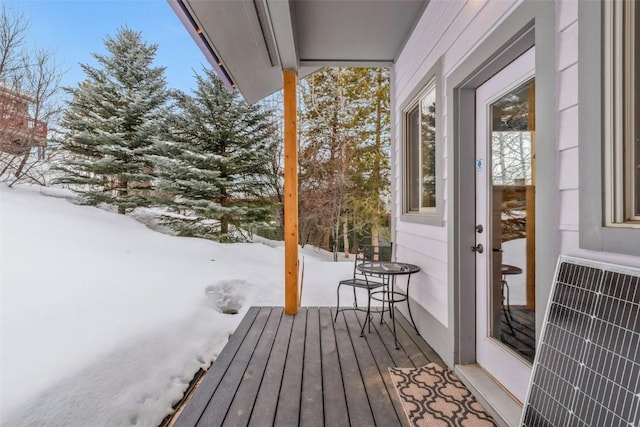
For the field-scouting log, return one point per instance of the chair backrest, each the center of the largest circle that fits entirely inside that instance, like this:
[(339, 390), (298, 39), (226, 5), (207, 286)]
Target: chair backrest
[(367, 252), (380, 252)]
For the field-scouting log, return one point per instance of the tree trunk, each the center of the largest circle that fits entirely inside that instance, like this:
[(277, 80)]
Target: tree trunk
[(224, 219), (123, 190), (22, 163), (375, 240), (345, 236), (326, 239), (9, 163)]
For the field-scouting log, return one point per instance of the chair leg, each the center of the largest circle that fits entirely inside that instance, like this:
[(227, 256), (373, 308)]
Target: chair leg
[(338, 304), (367, 318), (369, 307), (385, 288), (355, 298)]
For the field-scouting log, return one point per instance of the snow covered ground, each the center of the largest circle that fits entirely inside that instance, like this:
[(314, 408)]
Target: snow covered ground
[(103, 322), (515, 253)]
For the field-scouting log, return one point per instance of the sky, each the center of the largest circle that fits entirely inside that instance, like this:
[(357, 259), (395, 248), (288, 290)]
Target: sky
[(103, 321), (74, 29)]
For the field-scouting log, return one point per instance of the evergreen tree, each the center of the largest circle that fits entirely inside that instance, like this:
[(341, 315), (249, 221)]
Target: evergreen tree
[(344, 155), (370, 170), (325, 154), (112, 124), (213, 172)]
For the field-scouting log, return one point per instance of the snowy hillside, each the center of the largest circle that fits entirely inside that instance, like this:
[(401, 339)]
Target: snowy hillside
[(104, 322)]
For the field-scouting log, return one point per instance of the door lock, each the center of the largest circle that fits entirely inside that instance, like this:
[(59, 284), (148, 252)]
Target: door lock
[(479, 228), (477, 248)]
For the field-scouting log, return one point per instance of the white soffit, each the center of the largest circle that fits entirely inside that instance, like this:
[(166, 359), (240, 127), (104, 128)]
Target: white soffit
[(255, 40), (354, 31)]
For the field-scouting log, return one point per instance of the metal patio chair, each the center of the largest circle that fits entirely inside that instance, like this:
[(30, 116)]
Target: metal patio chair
[(368, 282)]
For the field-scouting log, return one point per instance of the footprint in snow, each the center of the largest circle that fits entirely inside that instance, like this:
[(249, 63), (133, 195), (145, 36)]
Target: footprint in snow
[(227, 296)]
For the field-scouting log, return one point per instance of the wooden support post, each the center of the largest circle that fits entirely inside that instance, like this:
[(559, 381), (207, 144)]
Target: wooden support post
[(290, 192)]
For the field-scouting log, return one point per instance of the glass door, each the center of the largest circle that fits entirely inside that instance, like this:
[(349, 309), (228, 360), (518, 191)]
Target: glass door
[(505, 208)]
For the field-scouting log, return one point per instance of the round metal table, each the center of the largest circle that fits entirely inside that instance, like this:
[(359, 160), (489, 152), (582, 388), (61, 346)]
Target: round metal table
[(390, 295)]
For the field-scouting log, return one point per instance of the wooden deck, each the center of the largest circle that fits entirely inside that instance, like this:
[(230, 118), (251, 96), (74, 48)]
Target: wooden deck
[(306, 370)]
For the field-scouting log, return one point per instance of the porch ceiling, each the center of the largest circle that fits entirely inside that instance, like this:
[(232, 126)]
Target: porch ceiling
[(250, 42)]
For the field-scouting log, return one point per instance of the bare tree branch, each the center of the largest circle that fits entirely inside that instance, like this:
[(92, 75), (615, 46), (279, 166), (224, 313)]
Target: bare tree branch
[(29, 83)]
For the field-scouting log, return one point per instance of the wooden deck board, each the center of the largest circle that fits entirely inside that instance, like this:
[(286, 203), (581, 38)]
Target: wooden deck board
[(384, 359), (239, 414), (335, 403), (306, 370), (357, 402), (216, 411), (199, 400), (379, 397), (288, 411), (311, 402), (264, 407)]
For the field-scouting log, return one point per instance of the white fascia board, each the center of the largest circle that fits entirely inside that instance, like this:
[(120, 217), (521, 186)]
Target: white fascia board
[(281, 16)]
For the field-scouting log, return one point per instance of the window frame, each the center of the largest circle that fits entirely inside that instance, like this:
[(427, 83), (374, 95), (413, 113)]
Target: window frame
[(598, 230), (432, 80), (620, 71)]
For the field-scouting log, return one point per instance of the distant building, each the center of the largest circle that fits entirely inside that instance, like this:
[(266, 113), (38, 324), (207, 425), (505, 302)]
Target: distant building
[(19, 133)]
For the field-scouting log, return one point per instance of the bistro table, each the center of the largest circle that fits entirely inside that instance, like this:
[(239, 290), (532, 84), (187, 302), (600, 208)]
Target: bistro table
[(389, 295)]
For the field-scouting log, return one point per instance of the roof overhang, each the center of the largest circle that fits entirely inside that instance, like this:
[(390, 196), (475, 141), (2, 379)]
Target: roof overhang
[(250, 42)]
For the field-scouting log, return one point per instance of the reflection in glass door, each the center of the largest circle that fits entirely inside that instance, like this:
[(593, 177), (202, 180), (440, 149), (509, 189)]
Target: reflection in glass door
[(512, 217)]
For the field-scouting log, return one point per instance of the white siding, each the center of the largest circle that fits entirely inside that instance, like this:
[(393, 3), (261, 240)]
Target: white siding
[(452, 30), (568, 144)]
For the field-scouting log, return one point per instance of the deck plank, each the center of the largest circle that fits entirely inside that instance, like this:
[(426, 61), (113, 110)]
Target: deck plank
[(384, 344), (357, 402), (306, 370), (264, 407), (380, 400), (422, 349), (288, 410), (311, 404), (383, 360), (239, 412), (335, 401), (216, 411), (407, 354), (198, 402)]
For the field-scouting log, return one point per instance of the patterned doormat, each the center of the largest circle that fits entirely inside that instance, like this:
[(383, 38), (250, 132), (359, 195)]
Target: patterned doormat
[(432, 396)]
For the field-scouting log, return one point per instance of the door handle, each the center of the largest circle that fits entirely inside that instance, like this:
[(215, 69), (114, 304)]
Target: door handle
[(477, 248)]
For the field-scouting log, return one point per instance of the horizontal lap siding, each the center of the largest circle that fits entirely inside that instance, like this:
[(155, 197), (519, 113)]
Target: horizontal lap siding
[(567, 128), (568, 145), (450, 30), (567, 133), (428, 287)]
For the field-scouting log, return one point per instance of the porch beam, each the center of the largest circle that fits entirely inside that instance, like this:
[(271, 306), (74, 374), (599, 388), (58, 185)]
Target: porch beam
[(290, 80)]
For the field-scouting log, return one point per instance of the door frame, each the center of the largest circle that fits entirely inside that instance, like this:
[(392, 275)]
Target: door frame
[(510, 40)]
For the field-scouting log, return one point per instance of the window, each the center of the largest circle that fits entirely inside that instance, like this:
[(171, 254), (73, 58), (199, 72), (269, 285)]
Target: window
[(608, 131), (621, 72), (421, 154)]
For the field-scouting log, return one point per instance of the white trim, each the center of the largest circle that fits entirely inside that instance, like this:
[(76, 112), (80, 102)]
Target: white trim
[(431, 85), (429, 88)]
